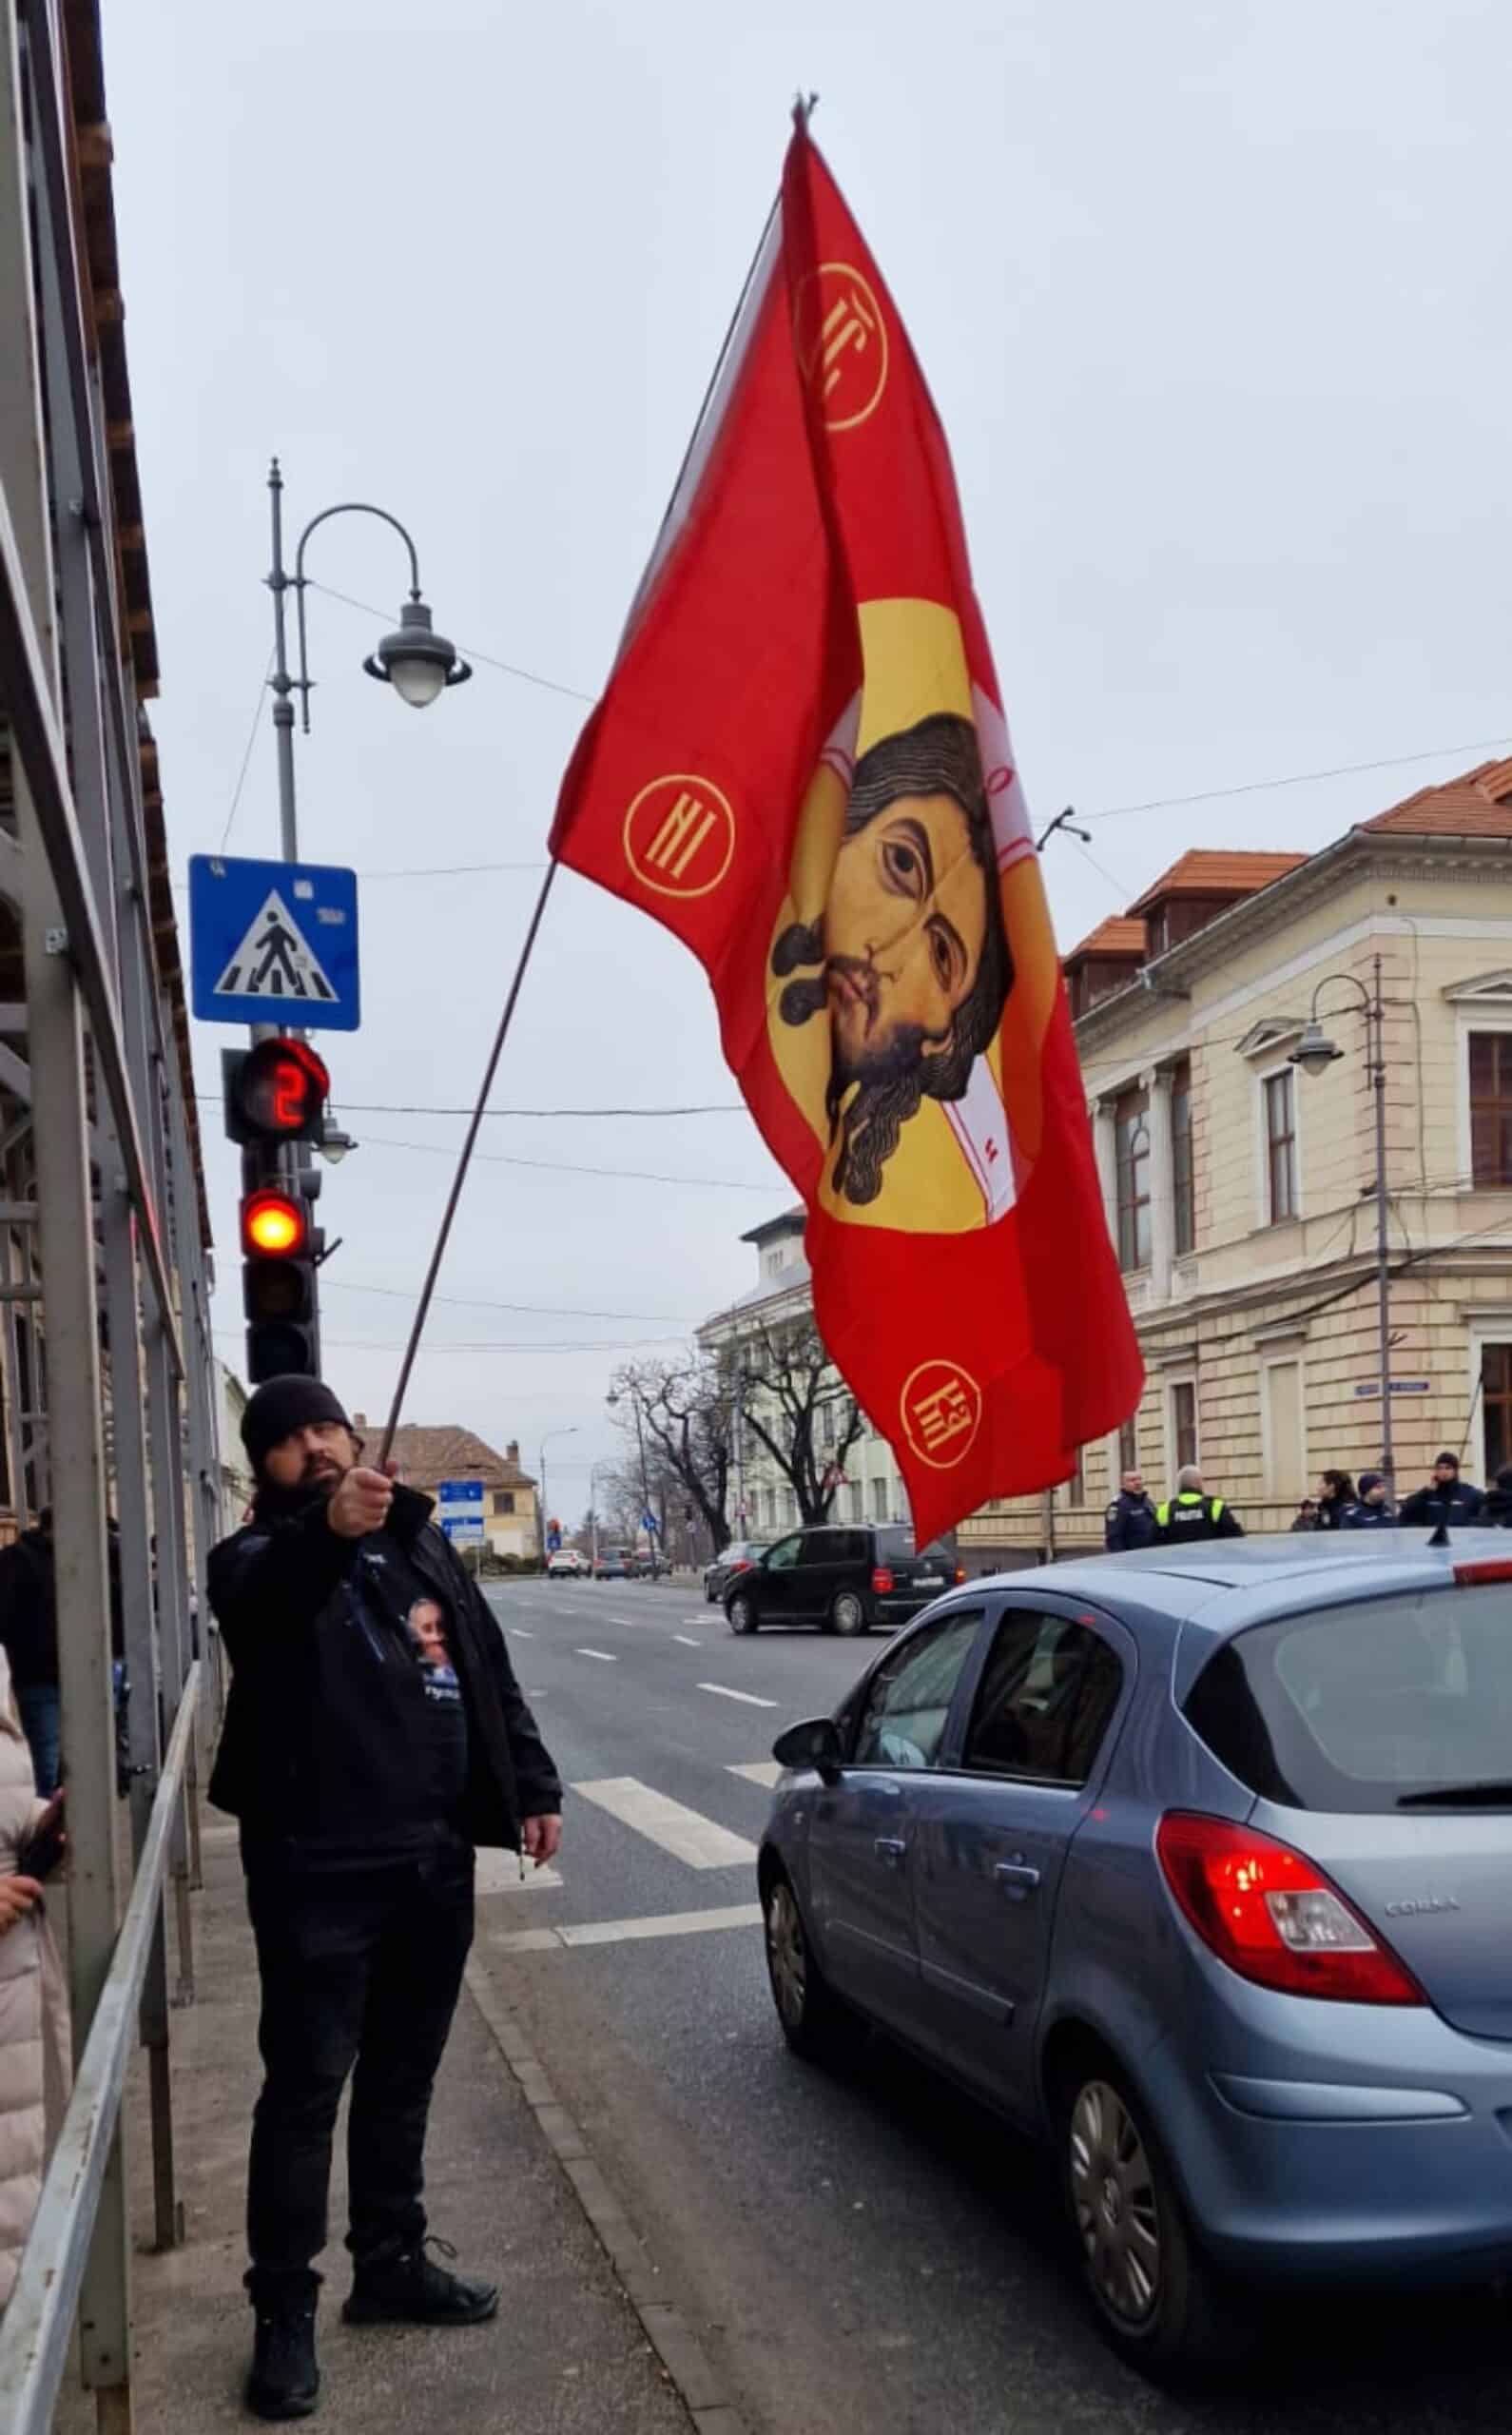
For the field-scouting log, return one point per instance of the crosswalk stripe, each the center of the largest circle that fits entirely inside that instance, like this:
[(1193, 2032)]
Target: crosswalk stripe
[(517, 1631), (697, 1841), (663, 1923), (760, 1771), (602, 1654), (723, 1692), (687, 1640)]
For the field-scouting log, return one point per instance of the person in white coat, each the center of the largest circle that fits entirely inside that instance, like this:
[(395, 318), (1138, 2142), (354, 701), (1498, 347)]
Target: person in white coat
[(34, 2061)]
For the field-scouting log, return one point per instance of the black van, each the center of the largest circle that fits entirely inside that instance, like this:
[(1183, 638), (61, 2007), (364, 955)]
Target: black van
[(843, 1577)]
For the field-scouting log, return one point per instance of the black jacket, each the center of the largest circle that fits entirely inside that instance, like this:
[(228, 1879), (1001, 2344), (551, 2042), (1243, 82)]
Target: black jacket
[(1189, 1517), (1496, 1513), (323, 1754), (28, 1606), (1456, 1505), (1360, 1516), (1129, 1521)]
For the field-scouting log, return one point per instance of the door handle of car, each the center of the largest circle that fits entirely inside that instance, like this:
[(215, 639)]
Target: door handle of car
[(890, 1850), (1016, 1878)]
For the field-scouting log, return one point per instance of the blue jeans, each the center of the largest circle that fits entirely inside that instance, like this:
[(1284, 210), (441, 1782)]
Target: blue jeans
[(39, 1703)]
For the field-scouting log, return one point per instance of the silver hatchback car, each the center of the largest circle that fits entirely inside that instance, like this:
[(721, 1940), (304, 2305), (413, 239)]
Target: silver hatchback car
[(1198, 1862)]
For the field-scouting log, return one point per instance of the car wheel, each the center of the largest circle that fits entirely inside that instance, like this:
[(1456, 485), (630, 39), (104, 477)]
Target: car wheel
[(742, 1615), (1160, 2302), (847, 1615), (813, 2021)]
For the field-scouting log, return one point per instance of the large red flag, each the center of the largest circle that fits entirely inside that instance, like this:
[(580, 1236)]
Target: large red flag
[(801, 765)]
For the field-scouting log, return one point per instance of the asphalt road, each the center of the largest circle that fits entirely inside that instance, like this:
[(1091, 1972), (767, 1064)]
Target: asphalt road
[(861, 2248)]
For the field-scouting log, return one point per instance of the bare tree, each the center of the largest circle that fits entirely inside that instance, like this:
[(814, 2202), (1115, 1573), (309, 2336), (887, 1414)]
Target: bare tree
[(687, 1415), (794, 1404)]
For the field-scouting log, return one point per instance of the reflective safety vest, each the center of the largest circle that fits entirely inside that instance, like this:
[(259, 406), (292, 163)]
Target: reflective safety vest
[(1189, 1506)]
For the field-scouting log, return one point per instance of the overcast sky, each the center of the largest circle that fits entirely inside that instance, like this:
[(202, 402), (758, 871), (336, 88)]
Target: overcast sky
[(1213, 301)]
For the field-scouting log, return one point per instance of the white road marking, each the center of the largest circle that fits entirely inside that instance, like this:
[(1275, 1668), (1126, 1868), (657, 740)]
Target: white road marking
[(761, 1771), (697, 1841), (664, 1923), (723, 1692), (687, 1640), (517, 1631), (602, 1654), (498, 1872)]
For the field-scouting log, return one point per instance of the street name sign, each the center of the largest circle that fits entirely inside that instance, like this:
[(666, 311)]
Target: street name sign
[(274, 942)]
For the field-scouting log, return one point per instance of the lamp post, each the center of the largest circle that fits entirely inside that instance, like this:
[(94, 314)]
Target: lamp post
[(418, 662), (592, 1505), (570, 1431), (612, 1399), (1315, 1052)]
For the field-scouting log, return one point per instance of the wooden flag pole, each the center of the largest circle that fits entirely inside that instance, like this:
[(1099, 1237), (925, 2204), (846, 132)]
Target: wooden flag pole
[(428, 1289)]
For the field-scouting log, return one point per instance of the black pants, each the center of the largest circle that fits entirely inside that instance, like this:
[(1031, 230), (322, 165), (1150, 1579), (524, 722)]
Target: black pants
[(359, 1971)]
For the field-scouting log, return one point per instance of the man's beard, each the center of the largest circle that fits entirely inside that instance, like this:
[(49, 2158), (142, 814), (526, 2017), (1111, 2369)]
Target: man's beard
[(320, 1475)]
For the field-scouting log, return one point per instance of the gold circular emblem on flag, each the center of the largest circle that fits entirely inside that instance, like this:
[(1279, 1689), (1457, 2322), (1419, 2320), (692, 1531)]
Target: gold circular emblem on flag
[(941, 1407), (680, 835), (840, 339)]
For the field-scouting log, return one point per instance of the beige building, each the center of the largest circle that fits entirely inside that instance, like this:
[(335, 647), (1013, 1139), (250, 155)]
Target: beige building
[(1240, 1191), (428, 1456), (870, 1489)]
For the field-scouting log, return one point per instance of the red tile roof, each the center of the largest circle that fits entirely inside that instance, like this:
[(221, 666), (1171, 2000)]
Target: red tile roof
[(426, 1456), (1118, 936), (1478, 804), (1207, 872)]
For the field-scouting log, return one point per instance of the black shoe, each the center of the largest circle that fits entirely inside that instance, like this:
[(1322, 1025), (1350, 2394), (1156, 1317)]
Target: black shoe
[(404, 2286), (284, 2381)]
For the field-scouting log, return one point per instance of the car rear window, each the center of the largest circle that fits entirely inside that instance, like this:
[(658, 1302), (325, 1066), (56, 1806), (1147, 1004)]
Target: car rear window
[(1354, 1708), (895, 1544)]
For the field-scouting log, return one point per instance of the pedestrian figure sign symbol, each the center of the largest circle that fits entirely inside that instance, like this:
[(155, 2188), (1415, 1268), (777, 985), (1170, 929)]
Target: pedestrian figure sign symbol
[(275, 960), (273, 942)]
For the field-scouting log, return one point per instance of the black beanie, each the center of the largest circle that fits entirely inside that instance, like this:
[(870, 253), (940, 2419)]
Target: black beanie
[(280, 1407)]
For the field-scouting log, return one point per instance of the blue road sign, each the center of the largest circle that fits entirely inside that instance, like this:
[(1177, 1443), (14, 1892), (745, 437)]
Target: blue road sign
[(274, 942), (459, 1512), (553, 1543), (648, 1525)]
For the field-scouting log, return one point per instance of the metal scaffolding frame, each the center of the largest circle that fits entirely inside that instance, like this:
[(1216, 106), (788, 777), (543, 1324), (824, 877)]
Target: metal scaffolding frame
[(105, 1355)]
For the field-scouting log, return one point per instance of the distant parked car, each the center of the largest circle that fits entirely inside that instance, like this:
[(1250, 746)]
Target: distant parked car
[(738, 1557), (1195, 1862), (844, 1578), (610, 1564), (567, 1564)]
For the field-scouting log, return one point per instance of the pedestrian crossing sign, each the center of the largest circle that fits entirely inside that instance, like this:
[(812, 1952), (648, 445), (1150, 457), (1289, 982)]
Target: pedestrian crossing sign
[(274, 942)]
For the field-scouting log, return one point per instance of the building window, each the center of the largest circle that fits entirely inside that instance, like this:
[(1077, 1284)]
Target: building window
[(879, 1500), (1281, 1148), (789, 1506), (1183, 1190), (1490, 1109), (1183, 1422), (1131, 1141), (503, 1500), (1128, 1446), (1076, 1485), (853, 1500), (1496, 1398), (1285, 1458)]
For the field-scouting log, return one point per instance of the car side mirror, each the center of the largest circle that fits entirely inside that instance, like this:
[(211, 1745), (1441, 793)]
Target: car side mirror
[(815, 1743)]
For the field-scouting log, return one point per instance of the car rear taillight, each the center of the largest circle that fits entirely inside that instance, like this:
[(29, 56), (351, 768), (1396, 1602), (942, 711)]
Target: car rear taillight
[(1273, 1916), (744, 1566), (881, 1581), (961, 1574), (1469, 1576)]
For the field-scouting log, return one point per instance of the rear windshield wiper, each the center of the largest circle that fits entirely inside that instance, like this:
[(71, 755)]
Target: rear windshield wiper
[(1484, 1796)]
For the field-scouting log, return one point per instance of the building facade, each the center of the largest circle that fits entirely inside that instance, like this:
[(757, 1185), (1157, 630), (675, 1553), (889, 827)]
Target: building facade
[(511, 1524), (1240, 1191)]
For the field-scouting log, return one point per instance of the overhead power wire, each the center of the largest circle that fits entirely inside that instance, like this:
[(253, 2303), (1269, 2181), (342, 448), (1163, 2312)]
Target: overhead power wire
[(469, 650), (395, 1107), (481, 1303), (1297, 778), (246, 757), (559, 1166)]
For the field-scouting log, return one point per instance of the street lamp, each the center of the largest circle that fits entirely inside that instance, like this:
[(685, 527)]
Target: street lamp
[(1315, 1052), (416, 661), (612, 1398), (546, 1504), (593, 1504)]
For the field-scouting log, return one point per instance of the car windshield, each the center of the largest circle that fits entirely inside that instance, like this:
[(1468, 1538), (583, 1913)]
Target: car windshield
[(1366, 1707)]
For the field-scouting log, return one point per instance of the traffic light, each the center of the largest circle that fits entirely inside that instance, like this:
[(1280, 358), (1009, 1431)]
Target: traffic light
[(275, 1096), (275, 1091)]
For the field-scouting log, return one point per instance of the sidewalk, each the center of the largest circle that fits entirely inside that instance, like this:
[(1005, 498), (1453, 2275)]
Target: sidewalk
[(567, 2354)]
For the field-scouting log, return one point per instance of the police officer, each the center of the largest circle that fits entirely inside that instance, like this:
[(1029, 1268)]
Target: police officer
[(1371, 1510), (1130, 1521), (1193, 1515), (1448, 1498)]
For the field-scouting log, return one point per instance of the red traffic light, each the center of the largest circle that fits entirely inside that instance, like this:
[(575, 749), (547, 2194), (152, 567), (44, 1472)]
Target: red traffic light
[(273, 1226), (279, 1093)]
